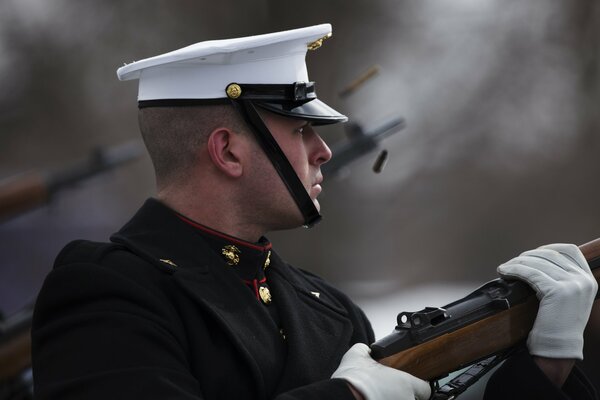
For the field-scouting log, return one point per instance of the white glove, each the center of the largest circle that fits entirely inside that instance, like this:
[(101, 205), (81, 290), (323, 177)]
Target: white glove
[(376, 381), (566, 288)]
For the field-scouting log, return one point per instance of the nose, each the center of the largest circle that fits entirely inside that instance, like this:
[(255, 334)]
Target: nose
[(321, 153)]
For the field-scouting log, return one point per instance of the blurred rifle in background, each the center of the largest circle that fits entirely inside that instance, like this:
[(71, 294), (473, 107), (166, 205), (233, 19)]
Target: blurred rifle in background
[(358, 144), (27, 191), (481, 328), (19, 194)]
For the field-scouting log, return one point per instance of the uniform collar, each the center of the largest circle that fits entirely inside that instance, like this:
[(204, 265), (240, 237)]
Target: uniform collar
[(240, 254), (156, 233)]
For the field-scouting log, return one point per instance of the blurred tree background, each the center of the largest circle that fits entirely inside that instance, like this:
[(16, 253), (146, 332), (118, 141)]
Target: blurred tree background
[(500, 153)]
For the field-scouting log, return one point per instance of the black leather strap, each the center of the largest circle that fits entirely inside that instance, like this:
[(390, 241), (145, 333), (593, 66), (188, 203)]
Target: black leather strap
[(279, 160), (297, 93), (181, 102)]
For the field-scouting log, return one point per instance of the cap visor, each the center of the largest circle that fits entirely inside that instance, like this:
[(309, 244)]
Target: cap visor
[(315, 111)]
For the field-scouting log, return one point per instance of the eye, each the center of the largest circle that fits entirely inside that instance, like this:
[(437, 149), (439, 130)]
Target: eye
[(301, 129)]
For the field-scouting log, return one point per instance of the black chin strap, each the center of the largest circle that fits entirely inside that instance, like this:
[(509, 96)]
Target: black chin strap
[(279, 160)]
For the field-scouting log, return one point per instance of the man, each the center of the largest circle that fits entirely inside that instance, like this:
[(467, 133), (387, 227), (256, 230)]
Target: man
[(189, 300)]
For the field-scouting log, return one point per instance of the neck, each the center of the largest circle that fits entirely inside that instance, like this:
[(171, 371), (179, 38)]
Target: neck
[(214, 214)]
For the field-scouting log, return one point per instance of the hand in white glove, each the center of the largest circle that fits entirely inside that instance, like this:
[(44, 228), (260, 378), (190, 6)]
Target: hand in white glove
[(376, 381), (566, 288)]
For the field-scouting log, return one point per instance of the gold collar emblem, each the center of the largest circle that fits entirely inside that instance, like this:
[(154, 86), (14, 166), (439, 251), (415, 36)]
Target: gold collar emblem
[(231, 254)]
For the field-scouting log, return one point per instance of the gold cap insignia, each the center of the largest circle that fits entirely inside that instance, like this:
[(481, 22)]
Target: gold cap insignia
[(318, 43), (265, 294), (233, 91), (231, 254)]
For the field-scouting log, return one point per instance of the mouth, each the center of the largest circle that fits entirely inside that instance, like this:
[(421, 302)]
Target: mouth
[(319, 180), (316, 187)]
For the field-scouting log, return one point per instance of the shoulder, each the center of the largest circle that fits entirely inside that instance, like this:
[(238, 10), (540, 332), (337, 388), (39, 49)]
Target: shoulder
[(98, 276), (109, 255), (84, 260)]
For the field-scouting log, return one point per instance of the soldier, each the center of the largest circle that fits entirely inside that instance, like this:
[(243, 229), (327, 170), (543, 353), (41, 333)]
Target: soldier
[(188, 300)]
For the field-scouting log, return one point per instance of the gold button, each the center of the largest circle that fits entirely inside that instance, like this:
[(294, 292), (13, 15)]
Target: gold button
[(265, 294), (233, 91), (268, 260)]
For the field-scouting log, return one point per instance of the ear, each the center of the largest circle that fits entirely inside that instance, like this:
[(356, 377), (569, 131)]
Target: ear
[(223, 147)]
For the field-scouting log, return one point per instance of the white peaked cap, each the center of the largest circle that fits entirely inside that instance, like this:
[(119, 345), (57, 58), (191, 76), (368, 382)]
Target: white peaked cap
[(203, 70)]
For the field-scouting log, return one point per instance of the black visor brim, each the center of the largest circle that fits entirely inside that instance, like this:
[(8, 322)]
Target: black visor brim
[(315, 111)]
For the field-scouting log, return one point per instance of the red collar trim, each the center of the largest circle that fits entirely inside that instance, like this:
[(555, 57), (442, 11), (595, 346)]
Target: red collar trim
[(225, 236)]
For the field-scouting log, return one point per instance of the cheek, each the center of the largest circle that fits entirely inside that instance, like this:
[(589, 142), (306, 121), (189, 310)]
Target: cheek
[(295, 151), (300, 164)]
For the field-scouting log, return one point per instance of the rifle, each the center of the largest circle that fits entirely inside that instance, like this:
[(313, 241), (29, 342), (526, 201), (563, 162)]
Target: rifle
[(26, 191), (434, 342)]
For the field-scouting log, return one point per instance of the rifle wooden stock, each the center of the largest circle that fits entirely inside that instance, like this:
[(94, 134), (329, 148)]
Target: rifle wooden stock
[(15, 356), (21, 193), (462, 347), (15, 343)]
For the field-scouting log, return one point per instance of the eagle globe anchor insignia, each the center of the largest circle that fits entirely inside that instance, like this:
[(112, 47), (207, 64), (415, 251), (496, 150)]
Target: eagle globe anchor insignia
[(231, 254)]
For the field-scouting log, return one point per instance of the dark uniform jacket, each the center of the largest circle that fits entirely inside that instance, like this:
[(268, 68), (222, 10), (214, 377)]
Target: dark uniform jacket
[(159, 314)]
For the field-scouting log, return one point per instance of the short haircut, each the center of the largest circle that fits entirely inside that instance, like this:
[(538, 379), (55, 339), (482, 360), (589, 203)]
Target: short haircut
[(173, 135)]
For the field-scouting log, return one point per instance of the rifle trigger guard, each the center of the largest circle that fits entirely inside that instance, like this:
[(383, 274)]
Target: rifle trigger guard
[(455, 387)]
